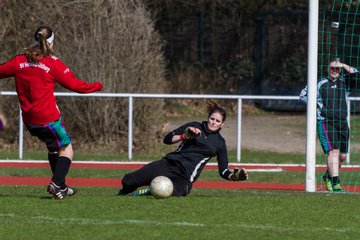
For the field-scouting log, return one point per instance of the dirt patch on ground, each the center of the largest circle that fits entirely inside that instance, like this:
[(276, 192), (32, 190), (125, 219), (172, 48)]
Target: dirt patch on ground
[(275, 132)]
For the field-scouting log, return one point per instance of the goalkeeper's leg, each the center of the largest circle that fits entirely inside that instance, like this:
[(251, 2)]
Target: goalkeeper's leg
[(142, 177), (182, 186)]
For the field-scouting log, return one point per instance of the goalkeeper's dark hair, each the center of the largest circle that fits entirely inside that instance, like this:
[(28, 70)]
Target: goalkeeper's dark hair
[(41, 47), (213, 107)]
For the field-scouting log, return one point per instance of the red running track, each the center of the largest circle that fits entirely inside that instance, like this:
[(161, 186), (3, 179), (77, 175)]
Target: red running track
[(137, 165), (109, 182), (116, 183)]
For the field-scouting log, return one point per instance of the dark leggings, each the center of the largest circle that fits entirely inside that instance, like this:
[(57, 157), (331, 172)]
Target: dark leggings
[(144, 176)]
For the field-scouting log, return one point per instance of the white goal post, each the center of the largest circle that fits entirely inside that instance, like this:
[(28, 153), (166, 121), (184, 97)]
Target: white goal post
[(310, 182)]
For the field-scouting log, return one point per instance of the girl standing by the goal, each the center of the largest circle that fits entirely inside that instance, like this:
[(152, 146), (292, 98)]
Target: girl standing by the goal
[(332, 125), (36, 72)]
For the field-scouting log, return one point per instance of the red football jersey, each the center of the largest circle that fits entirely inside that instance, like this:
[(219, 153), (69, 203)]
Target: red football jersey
[(35, 85)]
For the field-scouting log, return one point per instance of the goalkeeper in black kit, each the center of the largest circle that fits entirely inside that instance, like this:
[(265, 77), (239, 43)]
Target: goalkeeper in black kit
[(199, 143)]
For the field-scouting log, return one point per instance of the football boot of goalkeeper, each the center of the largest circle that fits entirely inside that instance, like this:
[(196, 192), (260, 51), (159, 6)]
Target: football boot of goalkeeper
[(142, 192)]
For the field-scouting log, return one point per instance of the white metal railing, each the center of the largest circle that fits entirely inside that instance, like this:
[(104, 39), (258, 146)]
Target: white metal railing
[(131, 96)]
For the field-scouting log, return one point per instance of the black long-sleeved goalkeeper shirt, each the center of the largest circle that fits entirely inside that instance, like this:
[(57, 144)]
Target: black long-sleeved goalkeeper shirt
[(192, 155)]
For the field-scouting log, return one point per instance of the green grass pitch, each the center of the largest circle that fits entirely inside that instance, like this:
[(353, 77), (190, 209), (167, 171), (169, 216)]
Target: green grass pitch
[(97, 213)]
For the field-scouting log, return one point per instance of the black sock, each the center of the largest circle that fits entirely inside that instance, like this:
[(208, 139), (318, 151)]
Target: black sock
[(53, 158), (62, 169), (335, 180)]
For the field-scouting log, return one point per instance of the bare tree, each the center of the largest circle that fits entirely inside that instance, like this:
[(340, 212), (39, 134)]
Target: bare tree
[(114, 42)]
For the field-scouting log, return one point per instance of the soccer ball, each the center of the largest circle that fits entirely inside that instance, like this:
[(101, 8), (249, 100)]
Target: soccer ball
[(161, 187)]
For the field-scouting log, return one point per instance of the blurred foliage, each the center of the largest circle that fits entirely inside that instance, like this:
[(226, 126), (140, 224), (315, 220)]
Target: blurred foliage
[(152, 46), (114, 42), (290, 71), (215, 46)]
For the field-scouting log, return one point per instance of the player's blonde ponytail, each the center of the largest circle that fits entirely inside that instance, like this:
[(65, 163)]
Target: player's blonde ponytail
[(41, 47)]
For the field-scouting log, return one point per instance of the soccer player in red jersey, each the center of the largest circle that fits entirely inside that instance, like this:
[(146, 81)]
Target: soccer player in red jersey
[(36, 71)]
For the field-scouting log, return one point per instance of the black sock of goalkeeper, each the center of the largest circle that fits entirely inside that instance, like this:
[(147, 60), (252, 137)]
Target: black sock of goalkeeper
[(62, 169), (53, 158)]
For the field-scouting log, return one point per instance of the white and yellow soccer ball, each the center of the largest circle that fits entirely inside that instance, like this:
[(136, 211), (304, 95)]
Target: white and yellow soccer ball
[(161, 187)]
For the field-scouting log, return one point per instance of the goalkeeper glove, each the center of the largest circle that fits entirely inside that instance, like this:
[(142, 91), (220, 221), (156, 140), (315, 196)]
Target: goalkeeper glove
[(190, 133), (239, 175)]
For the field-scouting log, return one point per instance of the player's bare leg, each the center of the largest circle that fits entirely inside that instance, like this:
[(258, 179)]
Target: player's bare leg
[(67, 151)]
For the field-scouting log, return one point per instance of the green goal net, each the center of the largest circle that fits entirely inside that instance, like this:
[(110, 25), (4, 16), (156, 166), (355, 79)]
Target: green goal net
[(338, 94)]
